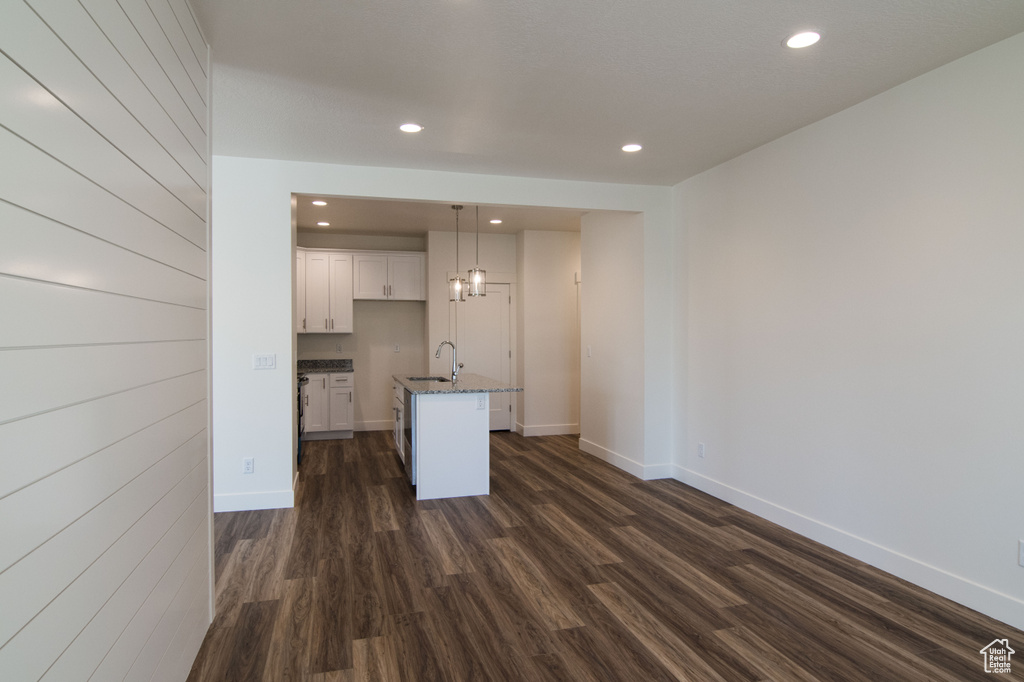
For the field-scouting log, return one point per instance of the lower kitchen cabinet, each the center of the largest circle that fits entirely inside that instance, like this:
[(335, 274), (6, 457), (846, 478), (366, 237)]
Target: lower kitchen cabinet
[(316, 403), (329, 405), (342, 407)]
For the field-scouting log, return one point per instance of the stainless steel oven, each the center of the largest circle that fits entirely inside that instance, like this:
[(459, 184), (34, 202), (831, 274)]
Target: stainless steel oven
[(302, 381)]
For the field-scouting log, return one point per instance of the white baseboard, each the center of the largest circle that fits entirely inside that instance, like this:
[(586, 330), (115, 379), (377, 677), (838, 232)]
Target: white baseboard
[(995, 604), (269, 499), (644, 472), (376, 425), (548, 429)]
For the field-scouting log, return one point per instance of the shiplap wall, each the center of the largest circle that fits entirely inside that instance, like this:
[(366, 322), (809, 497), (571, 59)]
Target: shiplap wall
[(104, 448)]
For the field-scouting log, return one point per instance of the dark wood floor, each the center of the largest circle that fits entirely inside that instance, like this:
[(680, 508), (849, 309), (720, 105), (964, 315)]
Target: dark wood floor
[(569, 570)]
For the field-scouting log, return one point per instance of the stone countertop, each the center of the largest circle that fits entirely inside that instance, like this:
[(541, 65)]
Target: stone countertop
[(467, 383), (310, 366)]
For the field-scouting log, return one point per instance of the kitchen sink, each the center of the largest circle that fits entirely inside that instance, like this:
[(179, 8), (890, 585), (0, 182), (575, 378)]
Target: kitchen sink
[(428, 378)]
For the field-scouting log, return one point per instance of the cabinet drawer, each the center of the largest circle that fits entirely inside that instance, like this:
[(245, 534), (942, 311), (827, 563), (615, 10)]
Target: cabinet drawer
[(342, 379)]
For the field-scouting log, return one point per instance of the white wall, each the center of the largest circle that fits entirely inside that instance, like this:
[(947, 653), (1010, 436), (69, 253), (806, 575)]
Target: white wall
[(855, 330), (497, 255), (253, 311), (612, 400), (104, 455), (549, 334), (364, 242)]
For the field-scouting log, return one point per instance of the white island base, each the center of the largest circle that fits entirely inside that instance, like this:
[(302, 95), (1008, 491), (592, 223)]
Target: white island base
[(452, 433)]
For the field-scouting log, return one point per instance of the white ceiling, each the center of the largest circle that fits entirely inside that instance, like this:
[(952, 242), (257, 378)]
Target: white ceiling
[(415, 218), (554, 89)]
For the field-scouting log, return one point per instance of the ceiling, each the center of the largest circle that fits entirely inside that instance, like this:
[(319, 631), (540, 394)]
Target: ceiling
[(348, 215), (554, 89)]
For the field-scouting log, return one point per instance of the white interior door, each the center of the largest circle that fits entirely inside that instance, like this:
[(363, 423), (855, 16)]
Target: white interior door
[(484, 346)]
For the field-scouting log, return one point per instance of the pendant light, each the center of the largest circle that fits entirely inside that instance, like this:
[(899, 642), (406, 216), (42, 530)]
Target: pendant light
[(477, 277), (456, 285)]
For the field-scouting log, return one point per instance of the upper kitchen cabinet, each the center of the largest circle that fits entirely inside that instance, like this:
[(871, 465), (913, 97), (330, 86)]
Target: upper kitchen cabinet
[(327, 285), (341, 293), (300, 290), (389, 276)]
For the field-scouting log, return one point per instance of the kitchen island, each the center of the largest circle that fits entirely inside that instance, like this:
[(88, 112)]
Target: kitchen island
[(446, 434)]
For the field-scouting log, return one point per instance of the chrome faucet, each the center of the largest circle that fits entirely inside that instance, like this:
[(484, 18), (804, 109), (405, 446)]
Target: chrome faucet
[(456, 365)]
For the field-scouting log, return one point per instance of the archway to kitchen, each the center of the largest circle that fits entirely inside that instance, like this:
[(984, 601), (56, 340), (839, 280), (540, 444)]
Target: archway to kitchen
[(532, 257), (627, 321)]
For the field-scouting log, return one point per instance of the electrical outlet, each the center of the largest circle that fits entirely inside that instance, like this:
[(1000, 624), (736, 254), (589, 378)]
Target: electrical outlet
[(700, 450), (1020, 552), (398, 349), (481, 401), (337, 348), (248, 465)]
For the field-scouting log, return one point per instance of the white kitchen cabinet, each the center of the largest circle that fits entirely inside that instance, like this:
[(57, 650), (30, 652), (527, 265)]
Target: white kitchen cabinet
[(342, 407), (318, 293), (369, 276), (389, 277), (405, 277), (329, 404), (341, 293), (316, 410), (326, 288), (300, 290)]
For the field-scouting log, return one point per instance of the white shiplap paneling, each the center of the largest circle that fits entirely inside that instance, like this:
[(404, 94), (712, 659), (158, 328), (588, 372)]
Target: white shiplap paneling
[(104, 454)]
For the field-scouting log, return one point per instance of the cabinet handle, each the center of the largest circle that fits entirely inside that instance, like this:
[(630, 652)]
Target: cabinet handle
[(332, 323), (350, 396), (389, 290), (303, 323), (324, 381), (385, 289)]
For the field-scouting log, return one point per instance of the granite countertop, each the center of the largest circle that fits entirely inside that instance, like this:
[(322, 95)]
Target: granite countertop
[(467, 383), (339, 365)]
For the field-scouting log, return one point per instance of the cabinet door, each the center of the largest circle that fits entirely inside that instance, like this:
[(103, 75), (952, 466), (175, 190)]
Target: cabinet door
[(316, 410), (341, 293), (405, 278), (342, 409), (370, 276), (317, 293), (300, 291)]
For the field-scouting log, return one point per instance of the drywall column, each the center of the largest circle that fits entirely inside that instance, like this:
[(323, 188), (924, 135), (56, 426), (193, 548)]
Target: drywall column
[(254, 410)]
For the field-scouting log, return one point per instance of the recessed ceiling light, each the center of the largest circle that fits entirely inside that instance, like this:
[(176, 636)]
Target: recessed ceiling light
[(804, 39), (631, 148), (324, 223), (410, 127), (319, 203), (496, 221)]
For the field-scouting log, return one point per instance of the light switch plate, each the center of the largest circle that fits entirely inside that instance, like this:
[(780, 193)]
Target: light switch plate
[(481, 402), (264, 361)]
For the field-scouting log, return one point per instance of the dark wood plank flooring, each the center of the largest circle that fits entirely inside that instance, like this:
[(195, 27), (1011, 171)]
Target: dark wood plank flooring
[(569, 570)]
